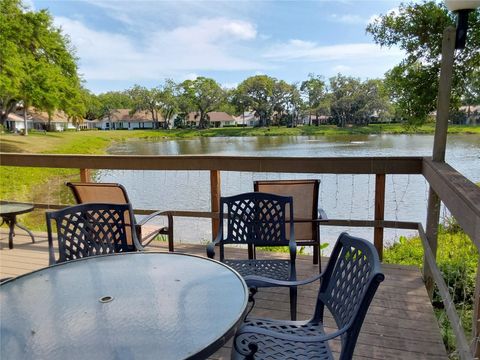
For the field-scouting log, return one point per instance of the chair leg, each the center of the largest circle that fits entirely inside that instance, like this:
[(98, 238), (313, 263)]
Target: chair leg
[(293, 302), (316, 253)]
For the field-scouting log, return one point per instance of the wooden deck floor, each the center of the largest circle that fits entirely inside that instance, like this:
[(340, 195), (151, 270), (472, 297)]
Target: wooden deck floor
[(400, 323)]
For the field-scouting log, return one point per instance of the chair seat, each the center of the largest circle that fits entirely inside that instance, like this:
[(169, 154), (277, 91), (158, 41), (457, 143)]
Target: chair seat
[(273, 348), (274, 269)]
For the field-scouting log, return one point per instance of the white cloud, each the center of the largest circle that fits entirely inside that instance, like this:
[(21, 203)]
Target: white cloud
[(189, 76), (29, 4), (341, 68), (394, 11), (347, 19), (310, 51), (208, 44)]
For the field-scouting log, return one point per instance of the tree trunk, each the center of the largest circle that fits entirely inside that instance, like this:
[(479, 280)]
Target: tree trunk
[(10, 105), (25, 131)]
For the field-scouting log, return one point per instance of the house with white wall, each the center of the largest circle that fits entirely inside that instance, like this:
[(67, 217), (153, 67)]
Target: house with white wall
[(122, 119), (38, 120)]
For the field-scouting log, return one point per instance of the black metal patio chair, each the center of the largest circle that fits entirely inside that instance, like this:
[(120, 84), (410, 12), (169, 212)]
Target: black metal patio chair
[(348, 285), (91, 229), (259, 219)]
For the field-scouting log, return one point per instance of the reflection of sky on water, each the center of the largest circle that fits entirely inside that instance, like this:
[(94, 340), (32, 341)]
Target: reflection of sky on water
[(342, 196)]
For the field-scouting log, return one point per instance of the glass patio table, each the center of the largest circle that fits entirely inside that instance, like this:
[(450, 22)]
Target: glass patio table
[(125, 306), (8, 213)]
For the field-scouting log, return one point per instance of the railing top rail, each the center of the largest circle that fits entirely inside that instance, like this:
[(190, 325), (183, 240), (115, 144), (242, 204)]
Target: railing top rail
[(324, 165), (460, 195)]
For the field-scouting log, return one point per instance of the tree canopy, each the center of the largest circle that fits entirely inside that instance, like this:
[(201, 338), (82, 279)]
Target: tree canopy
[(204, 95), (37, 63), (417, 28)]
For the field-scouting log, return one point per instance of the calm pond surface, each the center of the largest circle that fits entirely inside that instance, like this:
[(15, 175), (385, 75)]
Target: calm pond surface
[(342, 196)]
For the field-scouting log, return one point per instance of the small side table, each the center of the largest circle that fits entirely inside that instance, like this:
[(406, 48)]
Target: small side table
[(8, 213)]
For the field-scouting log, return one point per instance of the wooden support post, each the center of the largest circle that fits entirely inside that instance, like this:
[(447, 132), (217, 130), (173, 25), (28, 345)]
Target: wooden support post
[(215, 193), (476, 318), (439, 145), (379, 212), (85, 175)]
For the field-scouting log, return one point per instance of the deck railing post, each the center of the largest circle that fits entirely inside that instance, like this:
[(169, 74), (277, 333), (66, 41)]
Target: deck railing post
[(439, 145), (215, 193), (85, 175), (476, 318), (379, 212)]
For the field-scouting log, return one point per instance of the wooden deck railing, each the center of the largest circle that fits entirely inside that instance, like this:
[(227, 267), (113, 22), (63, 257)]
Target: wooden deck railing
[(459, 195)]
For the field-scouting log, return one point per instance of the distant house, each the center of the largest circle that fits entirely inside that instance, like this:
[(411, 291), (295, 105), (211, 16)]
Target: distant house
[(217, 119), (38, 120), (314, 119), (121, 119), (248, 119), (472, 113)]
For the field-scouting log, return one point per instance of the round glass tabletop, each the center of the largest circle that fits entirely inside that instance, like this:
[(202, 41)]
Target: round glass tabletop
[(15, 209), (124, 306)]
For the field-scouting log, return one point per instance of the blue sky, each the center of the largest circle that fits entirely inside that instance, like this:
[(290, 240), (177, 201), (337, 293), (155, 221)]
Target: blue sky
[(121, 43)]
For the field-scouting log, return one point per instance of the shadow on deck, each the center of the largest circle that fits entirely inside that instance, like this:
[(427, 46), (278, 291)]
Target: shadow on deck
[(400, 323)]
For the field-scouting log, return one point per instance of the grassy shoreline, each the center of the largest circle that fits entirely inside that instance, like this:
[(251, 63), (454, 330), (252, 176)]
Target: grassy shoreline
[(96, 142)]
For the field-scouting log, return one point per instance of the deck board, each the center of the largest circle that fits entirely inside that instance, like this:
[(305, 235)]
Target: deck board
[(400, 323)]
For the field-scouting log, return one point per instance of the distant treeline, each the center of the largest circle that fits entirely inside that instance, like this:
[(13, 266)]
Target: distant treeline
[(39, 68)]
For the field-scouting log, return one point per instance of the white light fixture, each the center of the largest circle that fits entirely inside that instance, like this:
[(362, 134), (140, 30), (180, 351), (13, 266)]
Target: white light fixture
[(456, 5), (462, 8)]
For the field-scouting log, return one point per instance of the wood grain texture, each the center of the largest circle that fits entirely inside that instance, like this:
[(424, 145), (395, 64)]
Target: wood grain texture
[(400, 323)]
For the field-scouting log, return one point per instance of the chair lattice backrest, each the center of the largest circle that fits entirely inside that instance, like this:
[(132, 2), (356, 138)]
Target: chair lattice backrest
[(90, 229), (350, 281), (256, 218)]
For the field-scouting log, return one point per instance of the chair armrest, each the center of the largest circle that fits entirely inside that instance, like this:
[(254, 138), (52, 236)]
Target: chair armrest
[(211, 246), (138, 245), (250, 329), (321, 214), (261, 281), (148, 238), (150, 217), (292, 245)]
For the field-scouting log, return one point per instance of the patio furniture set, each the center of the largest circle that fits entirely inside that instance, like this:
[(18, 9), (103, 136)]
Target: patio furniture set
[(103, 287)]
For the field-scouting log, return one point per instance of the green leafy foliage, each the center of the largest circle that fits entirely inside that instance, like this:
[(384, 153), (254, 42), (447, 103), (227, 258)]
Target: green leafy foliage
[(355, 102), (37, 62), (202, 95), (417, 28)]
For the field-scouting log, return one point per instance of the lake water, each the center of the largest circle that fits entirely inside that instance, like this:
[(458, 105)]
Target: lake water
[(341, 196)]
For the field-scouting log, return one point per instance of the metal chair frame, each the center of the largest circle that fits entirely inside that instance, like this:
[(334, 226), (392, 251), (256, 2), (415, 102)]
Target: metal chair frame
[(91, 229), (258, 219), (347, 287)]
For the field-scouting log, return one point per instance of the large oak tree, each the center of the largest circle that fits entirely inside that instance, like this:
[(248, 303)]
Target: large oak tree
[(417, 28), (37, 63)]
